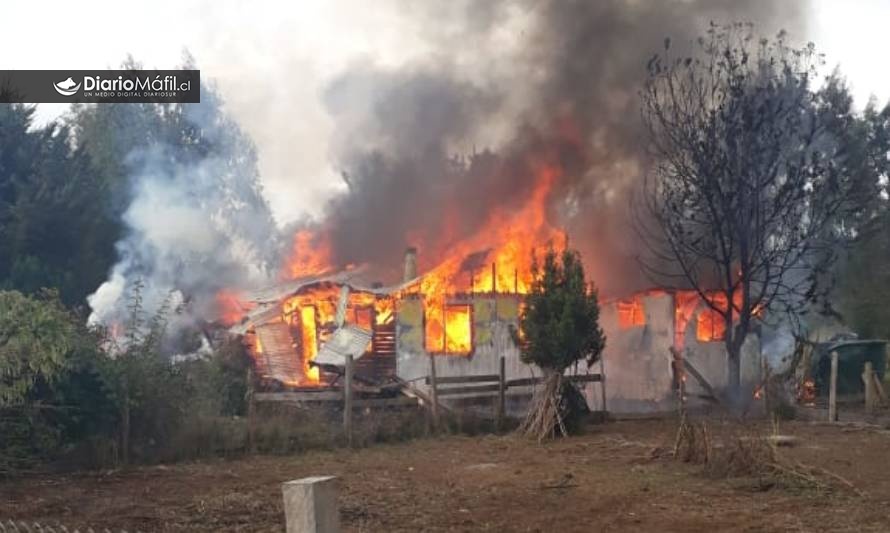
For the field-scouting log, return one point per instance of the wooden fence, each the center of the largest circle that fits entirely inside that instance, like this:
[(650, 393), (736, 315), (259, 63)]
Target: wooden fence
[(465, 387), (490, 385)]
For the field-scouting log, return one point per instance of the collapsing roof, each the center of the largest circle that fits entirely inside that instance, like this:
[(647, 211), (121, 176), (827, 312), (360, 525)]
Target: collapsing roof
[(274, 356), (348, 340), (299, 327), (268, 299)]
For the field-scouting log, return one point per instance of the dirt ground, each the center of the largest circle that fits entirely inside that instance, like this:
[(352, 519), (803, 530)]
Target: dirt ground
[(604, 480)]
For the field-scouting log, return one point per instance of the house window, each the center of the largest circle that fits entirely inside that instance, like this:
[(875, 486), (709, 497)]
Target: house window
[(458, 333), (630, 313), (710, 327), (449, 330)]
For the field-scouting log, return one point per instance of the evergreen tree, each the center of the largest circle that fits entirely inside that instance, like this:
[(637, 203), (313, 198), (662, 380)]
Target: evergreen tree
[(559, 327), (560, 320), (55, 229)]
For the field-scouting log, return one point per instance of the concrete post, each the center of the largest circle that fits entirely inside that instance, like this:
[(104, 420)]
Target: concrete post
[(832, 390), (310, 505)]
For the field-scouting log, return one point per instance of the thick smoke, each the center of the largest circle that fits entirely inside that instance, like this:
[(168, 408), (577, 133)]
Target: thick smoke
[(197, 223), (428, 150)]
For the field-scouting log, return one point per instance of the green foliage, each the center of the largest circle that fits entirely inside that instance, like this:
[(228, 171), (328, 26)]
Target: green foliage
[(64, 189), (55, 228), (72, 395), (36, 337), (560, 319), (65, 186), (864, 289), (219, 382), (864, 278), (50, 391)]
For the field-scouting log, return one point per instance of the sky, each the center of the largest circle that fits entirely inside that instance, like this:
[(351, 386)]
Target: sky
[(271, 61)]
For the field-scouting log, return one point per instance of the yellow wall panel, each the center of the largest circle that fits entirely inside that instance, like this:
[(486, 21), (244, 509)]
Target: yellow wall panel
[(508, 308)]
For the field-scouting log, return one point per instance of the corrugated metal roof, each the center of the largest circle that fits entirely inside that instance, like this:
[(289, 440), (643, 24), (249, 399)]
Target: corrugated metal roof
[(348, 340), (279, 359), (268, 300), (260, 314), (353, 278)]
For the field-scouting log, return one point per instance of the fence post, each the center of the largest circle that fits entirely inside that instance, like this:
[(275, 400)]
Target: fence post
[(502, 393), (347, 401), (434, 394), (868, 377), (603, 385), (832, 390), (251, 412), (766, 375)]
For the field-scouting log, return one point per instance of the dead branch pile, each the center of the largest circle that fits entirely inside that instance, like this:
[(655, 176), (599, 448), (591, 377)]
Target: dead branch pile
[(746, 452), (545, 418), (556, 409)]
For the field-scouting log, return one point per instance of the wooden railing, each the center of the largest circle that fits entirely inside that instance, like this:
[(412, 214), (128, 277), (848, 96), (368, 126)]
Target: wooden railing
[(466, 387), (489, 384)]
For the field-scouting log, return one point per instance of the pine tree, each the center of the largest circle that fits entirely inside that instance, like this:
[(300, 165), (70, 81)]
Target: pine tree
[(559, 327)]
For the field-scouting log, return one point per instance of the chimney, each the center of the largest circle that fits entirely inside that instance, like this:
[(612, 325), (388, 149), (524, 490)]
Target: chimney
[(410, 263)]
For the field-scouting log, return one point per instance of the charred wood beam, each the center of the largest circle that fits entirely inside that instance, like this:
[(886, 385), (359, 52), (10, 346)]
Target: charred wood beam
[(470, 389), (447, 380), (581, 378)]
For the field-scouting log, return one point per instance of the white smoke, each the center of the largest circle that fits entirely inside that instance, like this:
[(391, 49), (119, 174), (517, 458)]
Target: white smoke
[(196, 224)]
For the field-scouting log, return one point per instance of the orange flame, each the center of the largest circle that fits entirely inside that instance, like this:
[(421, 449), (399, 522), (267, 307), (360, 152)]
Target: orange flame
[(507, 240), (231, 306), (806, 393), (496, 259), (310, 342), (710, 325), (312, 314), (310, 255), (630, 313)]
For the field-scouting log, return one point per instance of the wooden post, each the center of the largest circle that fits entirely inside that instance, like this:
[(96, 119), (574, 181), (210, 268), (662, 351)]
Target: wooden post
[(125, 423), (879, 389), (832, 390), (347, 401), (765, 380), (494, 278), (603, 383), (251, 412), (869, 380), (679, 367), (502, 393), (434, 394)]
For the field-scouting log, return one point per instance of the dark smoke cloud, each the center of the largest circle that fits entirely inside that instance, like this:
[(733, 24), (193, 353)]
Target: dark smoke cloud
[(510, 84)]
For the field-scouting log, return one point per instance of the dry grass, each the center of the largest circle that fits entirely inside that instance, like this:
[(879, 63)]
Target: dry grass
[(738, 449)]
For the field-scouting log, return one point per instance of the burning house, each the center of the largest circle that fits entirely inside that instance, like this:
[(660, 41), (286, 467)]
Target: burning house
[(555, 114), (298, 329)]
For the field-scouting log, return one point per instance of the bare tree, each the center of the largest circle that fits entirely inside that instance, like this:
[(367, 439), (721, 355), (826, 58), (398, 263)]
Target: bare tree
[(743, 199)]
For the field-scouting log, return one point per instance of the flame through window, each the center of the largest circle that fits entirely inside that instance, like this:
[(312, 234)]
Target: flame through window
[(453, 335), (630, 313)]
